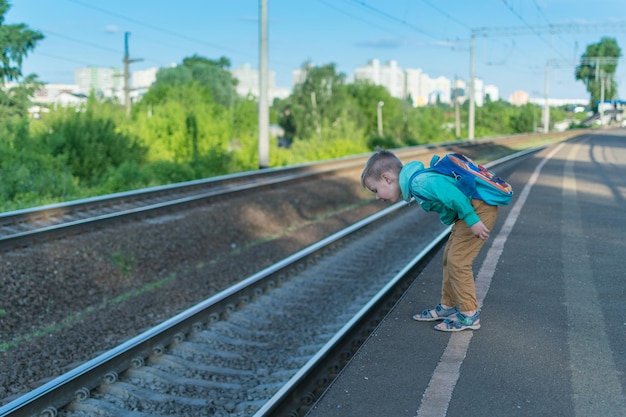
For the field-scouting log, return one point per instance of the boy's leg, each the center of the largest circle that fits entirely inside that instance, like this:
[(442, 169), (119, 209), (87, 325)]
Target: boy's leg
[(461, 250)]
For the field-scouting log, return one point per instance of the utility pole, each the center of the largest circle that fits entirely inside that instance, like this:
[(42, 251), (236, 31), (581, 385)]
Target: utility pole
[(379, 106), (472, 104), (264, 118), (127, 62), (546, 107), (601, 106), (457, 115)]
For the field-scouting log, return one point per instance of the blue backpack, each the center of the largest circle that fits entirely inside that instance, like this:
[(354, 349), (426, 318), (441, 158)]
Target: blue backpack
[(474, 180)]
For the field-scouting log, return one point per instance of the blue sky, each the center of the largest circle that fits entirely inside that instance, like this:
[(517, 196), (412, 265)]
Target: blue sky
[(429, 34)]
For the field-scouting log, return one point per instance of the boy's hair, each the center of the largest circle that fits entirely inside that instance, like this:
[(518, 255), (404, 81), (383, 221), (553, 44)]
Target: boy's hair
[(380, 162)]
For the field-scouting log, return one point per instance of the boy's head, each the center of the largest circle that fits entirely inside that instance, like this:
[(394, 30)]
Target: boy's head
[(380, 176)]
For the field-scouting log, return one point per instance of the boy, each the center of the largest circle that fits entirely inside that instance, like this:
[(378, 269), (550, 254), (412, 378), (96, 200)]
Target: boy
[(472, 219)]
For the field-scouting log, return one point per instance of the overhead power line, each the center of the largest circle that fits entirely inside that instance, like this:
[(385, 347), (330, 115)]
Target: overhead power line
[(532, 28), (541, 12), (93, 45), (394, 19), (350, 15), (157, 28), (458, 22)]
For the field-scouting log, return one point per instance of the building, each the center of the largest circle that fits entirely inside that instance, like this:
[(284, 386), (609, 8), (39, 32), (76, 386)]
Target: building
[(459, 91), (519, 98), (248, 83), (298, 75), (479, 92), (143, 79), (492, 91), (416, 86), (406, 83), (370, 72), (52, 95), (440, 89), (55, 94), (390, 76), (393, 78), (104, 82)]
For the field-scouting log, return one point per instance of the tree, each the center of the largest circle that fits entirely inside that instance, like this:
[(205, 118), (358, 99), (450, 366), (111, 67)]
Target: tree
[(319, 99), (525, 120), (89, 143), (15, 43), (367, 96), (209, 74), (15, 101), (597, 67)]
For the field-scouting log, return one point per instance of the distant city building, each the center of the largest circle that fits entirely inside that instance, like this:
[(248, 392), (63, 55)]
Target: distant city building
[(248, 83), (298, 76), (417, 87), (105, 82), (52, 95), (492, 91), (393, 78), (439, 90), (56, 94), (479, 92), (408, 83), (556, 102), (519, 98), (390, 76), (459, 89), (370, 72), (401, 83), (143, 79)]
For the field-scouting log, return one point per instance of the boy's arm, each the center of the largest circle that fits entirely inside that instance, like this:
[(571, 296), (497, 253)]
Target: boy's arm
[(480, 230), (448, 194)]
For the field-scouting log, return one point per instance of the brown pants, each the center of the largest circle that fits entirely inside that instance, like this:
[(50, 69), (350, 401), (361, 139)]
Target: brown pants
[(461, 250)]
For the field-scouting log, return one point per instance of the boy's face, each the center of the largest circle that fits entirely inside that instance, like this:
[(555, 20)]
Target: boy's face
[(386, 187)]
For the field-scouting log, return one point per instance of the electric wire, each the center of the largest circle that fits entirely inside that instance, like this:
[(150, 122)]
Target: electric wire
[(541, 12), (156, 28), (172, 33), (392, 18), (119, 51), (533, 29)]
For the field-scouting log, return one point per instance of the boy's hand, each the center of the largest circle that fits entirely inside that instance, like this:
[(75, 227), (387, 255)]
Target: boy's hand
[(480, 230)]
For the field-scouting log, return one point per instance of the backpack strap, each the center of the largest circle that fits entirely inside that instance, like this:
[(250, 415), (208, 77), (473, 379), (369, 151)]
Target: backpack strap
[(413, 193)]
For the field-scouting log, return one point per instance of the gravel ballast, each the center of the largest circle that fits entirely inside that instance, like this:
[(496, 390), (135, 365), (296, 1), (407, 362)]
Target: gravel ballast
[(64, 302)]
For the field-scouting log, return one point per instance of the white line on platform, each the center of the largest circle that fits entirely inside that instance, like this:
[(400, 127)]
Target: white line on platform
[(438, 394)]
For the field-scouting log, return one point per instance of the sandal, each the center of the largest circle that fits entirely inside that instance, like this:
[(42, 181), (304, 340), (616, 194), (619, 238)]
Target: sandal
[(460, 322), (437, 313)]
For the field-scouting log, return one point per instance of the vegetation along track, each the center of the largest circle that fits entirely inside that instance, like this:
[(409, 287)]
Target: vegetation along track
[(28, 226), (158, 265)]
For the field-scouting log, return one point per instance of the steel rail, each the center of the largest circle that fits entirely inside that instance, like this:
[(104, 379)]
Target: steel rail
[(55, 394), (23, 227), (301, 390), (300, 393)]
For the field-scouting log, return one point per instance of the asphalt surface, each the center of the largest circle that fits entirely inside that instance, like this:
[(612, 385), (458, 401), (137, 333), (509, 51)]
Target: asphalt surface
[(553, 336)]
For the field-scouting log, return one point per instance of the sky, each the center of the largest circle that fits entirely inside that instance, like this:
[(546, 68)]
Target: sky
[(514, 48)]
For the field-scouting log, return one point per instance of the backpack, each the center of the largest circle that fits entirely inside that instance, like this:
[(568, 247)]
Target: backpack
[(474, 180)]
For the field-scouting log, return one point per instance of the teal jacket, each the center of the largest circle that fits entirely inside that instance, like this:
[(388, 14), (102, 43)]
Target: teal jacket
[(443, 196)]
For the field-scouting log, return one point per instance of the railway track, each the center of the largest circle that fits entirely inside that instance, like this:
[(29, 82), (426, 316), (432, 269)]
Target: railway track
[(254, 348), (263, 347), (80, 392), (26, 227)]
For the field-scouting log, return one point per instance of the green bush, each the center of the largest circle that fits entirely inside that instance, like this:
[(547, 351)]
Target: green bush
[(89, 145)]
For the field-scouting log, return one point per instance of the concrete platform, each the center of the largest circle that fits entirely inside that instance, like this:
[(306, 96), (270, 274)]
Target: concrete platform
[(553, 280)]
